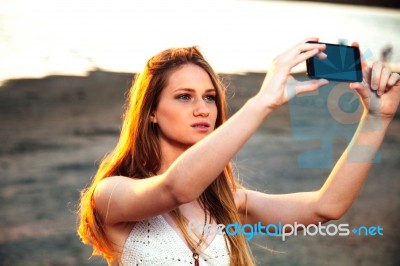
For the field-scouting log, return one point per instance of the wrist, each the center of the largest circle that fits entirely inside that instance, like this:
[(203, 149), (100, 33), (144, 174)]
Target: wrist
[(261, 106), (374, 122), (374, 117)]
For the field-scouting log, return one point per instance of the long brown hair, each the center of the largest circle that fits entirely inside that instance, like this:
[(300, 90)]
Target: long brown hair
[(137, 154)]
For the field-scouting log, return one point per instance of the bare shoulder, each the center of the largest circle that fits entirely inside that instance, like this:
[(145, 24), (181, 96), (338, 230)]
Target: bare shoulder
[(120, 199), (108, 187)]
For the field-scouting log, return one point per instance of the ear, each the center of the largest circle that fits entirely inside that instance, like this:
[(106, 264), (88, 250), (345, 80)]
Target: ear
[(153, 118)]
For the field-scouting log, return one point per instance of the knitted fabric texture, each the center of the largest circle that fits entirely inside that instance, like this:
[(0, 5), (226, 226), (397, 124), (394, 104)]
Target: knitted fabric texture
[(155, 242)]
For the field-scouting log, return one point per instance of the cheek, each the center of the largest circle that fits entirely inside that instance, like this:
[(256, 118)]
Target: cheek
[(169, 116), (215, 114)]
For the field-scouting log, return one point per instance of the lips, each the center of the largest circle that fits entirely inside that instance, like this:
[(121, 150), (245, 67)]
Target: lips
[(201, 126)]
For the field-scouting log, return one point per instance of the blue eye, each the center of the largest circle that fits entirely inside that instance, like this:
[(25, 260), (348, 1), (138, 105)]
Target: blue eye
[(183, 97), (210, 98)]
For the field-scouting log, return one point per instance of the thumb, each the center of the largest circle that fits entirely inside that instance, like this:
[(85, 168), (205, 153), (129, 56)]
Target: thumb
[(356, 85), (310, 85), (360, 89)]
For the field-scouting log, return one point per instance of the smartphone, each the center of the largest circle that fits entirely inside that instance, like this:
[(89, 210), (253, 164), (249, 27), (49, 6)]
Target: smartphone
[(342, 64)]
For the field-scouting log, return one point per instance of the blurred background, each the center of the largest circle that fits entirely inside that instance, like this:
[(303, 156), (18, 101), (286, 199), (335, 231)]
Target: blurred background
[(65, 67), (70, 37)]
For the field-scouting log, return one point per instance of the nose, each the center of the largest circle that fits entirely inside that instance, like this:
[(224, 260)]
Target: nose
[(201, 108)]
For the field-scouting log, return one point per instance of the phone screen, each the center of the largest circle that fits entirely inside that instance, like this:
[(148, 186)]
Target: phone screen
[(342, 64)]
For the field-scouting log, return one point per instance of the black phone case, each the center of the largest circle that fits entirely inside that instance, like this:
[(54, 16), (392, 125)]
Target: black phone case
[(346, 69)]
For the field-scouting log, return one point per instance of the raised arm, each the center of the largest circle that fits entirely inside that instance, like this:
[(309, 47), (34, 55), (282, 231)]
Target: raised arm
[(122, 199), (380, 95)]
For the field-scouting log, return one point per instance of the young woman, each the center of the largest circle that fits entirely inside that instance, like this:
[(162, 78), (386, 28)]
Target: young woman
[(171, 166)]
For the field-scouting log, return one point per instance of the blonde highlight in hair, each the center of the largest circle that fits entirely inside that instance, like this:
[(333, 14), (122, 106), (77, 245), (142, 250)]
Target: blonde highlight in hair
[(137, 154)]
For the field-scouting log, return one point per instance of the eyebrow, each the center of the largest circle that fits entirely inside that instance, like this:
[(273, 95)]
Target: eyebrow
[(192, 90)]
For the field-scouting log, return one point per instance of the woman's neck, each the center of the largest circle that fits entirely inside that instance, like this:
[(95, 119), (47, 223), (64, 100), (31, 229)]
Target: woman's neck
[(169, 153)]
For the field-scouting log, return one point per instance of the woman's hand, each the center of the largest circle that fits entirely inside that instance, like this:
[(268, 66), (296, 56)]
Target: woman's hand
[(379, 91), (279, 86)]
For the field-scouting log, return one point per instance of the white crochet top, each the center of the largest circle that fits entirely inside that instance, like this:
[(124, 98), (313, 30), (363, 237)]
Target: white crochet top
[(154, 242)]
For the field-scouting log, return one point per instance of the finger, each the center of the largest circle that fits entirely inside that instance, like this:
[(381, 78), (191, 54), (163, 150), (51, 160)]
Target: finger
[(364, 63), (300, 52), (304, 56), (385, 74), (304, 47), (300, 48), (310, 39), (376, 73), (393, 79), (306, 51), (310, 85), (322, 55), (360, 89)]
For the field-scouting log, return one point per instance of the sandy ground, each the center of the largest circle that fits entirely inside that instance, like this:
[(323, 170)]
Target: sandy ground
[(54, 131)]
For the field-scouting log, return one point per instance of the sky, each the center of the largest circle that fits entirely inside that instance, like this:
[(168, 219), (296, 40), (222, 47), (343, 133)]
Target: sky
[(45, 37)]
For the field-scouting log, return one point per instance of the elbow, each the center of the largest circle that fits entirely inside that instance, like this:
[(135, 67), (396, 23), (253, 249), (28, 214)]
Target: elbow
[(328, 208), (328, 212), (328, 216), (181, 197), (180, 193)]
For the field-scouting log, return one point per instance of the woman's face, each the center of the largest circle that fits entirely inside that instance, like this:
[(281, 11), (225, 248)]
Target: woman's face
[(187, 110)]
